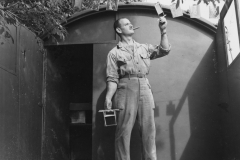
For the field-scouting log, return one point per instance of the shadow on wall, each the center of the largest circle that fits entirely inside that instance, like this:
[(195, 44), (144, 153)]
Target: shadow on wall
[(205, 141), (104, 136)]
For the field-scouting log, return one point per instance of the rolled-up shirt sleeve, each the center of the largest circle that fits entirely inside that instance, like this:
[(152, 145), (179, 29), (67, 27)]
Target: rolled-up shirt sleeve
[(156, 51), (112, 68)]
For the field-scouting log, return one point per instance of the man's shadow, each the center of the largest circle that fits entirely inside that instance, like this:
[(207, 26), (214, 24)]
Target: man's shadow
[(103, 137)]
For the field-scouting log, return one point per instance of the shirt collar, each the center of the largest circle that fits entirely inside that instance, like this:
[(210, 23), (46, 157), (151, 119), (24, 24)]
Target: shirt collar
[(120, 44)]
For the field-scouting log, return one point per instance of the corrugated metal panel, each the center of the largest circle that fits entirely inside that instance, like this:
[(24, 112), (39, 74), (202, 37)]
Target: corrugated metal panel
[(31, 78), (8, 115), (8, 97), (229, 90)]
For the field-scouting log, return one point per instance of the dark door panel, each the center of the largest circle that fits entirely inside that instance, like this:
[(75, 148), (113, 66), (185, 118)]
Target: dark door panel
[(31, 78)]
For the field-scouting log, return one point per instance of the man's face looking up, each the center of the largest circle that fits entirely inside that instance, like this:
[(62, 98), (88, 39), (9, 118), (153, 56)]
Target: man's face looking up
[(125, 27)]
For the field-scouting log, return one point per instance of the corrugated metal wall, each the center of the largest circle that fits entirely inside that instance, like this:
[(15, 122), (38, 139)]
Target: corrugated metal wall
[(9, 97), (229, 91), (21, 72), (30, 95), (184, 84)]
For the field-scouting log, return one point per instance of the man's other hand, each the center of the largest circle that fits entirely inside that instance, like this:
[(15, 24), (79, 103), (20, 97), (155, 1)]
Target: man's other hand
[(108, 104)]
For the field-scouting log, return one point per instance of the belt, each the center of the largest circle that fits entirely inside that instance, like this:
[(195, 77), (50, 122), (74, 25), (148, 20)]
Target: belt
[(133, 76)]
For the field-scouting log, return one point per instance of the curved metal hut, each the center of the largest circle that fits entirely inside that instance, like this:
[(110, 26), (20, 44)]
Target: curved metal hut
[(184, 83)]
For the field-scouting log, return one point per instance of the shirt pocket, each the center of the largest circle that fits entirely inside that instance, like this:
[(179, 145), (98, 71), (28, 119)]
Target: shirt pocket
[(121, 96), (122, 60), (146, 59)]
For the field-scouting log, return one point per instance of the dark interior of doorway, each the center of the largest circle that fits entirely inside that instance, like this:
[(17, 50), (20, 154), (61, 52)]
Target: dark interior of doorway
[(80, 73), (75, 65)]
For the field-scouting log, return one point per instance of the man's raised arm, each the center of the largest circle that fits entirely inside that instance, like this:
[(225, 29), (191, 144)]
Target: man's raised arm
[(164, 39)]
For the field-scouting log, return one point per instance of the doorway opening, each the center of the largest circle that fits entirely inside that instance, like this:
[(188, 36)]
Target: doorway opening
[(69, 91)]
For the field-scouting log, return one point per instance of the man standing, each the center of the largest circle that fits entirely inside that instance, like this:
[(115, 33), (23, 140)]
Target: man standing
[(127, 66)]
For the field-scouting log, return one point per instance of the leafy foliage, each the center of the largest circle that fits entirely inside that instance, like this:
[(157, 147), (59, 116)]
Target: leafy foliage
[(39, 16), (87, 3), (46, 16)]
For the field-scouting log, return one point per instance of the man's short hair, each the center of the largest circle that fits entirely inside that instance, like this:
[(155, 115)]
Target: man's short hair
[(117, 24)]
